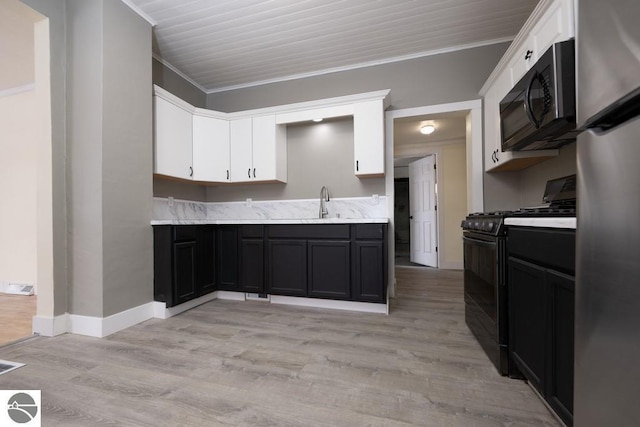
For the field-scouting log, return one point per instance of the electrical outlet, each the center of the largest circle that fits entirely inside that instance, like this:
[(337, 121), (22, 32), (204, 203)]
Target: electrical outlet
[(248, 202), (376, 199), (170, 201)]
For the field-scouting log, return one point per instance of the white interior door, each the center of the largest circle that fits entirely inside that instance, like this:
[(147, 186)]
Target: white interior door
[(422, 208)]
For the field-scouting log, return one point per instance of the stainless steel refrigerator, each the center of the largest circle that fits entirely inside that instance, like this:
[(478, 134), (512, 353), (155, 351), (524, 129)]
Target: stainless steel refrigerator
[(607, 328)]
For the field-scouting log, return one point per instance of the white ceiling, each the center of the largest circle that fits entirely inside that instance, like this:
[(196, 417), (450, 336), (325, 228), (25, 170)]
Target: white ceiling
[(226, 44)]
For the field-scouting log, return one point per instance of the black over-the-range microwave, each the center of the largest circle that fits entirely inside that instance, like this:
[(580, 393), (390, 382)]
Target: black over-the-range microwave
[(539, 113)]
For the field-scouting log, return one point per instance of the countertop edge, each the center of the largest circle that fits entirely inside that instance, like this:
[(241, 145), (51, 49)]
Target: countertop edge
[(546, 222), (270, 221)]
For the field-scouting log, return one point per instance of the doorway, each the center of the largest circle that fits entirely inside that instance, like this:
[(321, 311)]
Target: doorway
[(26, 258), (459, 178)]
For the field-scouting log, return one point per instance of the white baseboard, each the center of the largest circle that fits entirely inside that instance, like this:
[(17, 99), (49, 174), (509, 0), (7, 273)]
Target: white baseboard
[(160, 310), (101, 327), (367, 307), (51, 326)]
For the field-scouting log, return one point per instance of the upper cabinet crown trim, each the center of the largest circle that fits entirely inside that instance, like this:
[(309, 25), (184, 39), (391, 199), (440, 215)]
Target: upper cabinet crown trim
[(520, 38), (279, 109)]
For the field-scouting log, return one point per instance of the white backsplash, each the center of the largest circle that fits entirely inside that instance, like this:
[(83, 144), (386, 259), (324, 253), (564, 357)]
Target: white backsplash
[(353, 207)]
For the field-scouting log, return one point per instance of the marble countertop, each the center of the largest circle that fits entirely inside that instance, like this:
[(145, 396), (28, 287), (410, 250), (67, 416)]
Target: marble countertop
[(546, 222), (271, 221)]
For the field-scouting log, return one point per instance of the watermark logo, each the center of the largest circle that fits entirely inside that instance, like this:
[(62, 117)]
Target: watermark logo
[(22, 408)]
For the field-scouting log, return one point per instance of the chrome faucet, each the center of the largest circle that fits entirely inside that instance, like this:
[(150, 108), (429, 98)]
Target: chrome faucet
[(324, 197)]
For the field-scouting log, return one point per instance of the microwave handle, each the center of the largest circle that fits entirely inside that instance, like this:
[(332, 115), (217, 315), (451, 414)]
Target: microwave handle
[(546, 99), (527, 101)]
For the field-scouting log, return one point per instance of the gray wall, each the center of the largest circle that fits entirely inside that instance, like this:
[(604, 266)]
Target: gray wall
[(101, 137), (127, 160), (174, 83), (436, 79), (513, 190), (55, 10), (317, 154), (84, 139)]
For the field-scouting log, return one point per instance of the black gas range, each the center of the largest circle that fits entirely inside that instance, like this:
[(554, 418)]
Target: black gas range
[(485, 268)]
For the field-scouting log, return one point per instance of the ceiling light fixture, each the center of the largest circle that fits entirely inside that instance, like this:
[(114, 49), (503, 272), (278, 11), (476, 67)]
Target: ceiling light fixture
[(427, 129), (317, 120)]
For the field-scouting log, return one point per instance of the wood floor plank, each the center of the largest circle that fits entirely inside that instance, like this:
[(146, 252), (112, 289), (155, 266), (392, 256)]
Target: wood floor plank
[(233, 363)]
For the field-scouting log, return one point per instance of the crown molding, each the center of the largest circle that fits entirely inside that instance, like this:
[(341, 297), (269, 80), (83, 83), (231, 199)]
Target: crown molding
[(140, 12)]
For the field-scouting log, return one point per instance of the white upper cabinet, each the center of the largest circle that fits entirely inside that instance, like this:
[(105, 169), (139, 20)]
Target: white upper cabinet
[(251, 146), (258, 150), (368, 138), (269, 149), (552, 21), (173, 126), (211, 155)]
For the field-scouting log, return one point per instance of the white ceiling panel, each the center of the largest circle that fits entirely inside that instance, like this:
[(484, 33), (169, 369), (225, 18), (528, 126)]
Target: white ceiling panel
[(225, 44)]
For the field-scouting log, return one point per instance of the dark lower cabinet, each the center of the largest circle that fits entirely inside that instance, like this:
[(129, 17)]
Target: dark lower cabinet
[(560, 378), (336, 261), (329, 273), (287, 267), (205, 249), (369, 271), (227, 265), (184, 266), (252, 259), (541, 288), (527, 319)]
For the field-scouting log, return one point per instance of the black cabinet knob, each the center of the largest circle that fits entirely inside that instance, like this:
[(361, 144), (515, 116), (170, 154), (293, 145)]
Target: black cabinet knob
[(527, 56)]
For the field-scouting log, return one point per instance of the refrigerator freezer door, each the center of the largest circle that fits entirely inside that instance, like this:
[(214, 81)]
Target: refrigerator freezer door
[(608, 54), (607, 311)]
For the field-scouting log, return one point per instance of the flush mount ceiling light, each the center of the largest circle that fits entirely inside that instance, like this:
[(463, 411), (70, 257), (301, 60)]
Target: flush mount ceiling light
[(317, 120), (427, 129)]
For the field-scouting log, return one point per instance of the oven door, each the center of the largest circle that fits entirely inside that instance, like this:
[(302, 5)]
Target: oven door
[(485, 295)]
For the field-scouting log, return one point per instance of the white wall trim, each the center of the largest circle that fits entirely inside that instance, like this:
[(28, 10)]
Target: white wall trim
[(367, 307), (177, 71), (475, 196), (16, 90), (51, 326), (127, 318), (417, 55)]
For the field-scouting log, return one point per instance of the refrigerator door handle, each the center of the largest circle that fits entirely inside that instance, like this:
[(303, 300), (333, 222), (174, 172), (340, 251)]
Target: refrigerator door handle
[(616, 114)]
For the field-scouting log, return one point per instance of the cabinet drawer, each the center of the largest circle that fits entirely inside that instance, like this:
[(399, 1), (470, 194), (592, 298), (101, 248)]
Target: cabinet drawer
[(370, 231), (184, 232), (551, 248), (309, 231), (253, 231)]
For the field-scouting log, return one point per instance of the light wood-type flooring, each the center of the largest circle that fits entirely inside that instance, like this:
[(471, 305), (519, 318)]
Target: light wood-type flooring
[(257, 364), (16, 316)]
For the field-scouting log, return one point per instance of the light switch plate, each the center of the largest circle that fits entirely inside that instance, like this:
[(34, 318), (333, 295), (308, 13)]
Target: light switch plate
[(170, 201), (248, 202), (376, 199)]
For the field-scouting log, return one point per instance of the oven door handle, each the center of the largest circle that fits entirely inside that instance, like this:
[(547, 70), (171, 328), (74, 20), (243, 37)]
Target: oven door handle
[(479, 242)]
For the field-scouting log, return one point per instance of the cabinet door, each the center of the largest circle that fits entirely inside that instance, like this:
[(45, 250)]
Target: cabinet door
[(252, 265), (227, 259), (269, 150), (527, 320), (210, 149), (560, 377), (287, 267), (241, 135), (329, 274), (184, 271), (369, 272), (368, 138), (557, 24), (173, 140), (206, 259)]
